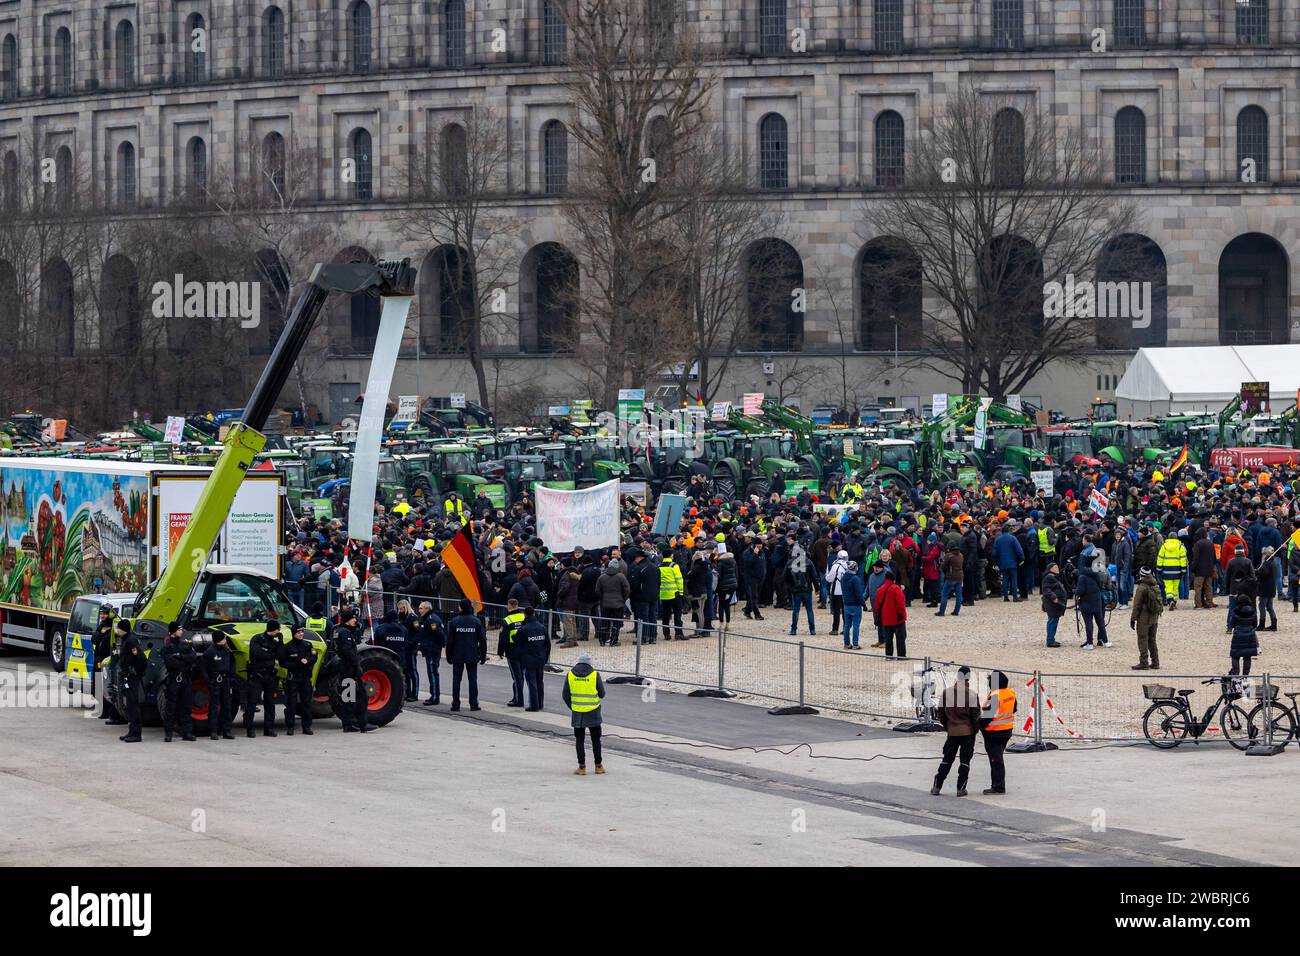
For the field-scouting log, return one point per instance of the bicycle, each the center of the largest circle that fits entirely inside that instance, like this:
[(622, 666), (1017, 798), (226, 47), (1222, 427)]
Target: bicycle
[(1170, 719), (1286, 720)]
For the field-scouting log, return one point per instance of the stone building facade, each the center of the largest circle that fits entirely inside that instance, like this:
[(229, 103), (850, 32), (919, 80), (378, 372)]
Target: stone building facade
[(152, 94)]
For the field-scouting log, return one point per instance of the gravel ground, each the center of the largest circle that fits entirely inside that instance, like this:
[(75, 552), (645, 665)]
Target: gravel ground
[(760, 661)]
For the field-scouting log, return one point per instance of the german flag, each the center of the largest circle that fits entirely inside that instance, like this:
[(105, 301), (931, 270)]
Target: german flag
[(458, 556), (1180, 460)]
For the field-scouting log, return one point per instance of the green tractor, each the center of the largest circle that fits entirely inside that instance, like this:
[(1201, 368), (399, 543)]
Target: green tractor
[(1011, 452), (595, 459), (887, 460), (520, 473), (1126, 442)]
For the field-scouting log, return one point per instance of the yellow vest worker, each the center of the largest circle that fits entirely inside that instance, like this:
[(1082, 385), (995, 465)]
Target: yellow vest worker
[(582, 693), (1171, 562), (1000, 714), (454, 506), (402, 508), (1045, 543), (851, 492)]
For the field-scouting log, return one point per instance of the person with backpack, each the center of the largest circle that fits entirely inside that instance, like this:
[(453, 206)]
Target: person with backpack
[(798, 579), (1145, 619)]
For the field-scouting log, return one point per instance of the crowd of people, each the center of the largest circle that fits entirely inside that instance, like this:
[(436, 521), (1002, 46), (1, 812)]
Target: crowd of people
[(1200, 536)]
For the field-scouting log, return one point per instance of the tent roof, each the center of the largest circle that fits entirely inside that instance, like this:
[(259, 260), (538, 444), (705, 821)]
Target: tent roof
[(1209, 373)]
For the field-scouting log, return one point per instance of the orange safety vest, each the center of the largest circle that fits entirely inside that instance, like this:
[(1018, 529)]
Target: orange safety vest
[(1003, 711)]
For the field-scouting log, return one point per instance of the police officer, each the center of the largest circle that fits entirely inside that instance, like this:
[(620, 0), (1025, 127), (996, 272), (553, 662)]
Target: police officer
[(355, 710), (431, 640), (318, 622), (131, 665), (392, 635), (298, 660), (466, 649), (180, 660), (534, 643), (263, 655), (218, 668), (102, 649), (507, 648), (996, 722)]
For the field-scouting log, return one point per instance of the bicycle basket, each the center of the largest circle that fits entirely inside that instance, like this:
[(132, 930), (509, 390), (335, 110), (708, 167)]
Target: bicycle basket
[(1157, 692), (1231, 687)]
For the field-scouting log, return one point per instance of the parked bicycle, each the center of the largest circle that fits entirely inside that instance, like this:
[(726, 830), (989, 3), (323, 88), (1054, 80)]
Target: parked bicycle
[(1170, 719), (1286, 720)]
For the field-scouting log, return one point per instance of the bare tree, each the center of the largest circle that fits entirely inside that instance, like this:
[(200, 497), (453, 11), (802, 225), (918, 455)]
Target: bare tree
[(456, 187), (997, 206), (630, 61), (263, 218), (715, 227)]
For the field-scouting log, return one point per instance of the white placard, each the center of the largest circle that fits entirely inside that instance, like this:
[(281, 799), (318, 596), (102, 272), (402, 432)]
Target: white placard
[(1013, 401), (408, 408), (251, 535), (720, 411), (1043, 482), (175, 429), (939, 403), (588, 518), (370, 430), (1098, 502), (981, 428), (457, 399), (753, 403)]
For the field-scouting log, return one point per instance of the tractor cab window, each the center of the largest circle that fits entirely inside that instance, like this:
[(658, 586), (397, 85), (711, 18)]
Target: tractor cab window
[(1072, 445), (457, 463), (760, 448), (529, 470), (390, 473), (240, 599), (1145, 436), (897, 456)]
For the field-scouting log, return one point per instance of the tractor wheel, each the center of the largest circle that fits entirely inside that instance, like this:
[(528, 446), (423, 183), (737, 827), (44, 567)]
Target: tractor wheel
[(673, 486), (724, 487), (422, 491), (199, 708), (757, 486), (384, 683)]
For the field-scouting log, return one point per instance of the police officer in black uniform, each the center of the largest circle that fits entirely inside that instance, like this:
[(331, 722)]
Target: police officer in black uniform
[(263, 654), (218, 667), (298, 660), (355, 700), (180, 660), (130, 668), (466, 650), (102, 649)]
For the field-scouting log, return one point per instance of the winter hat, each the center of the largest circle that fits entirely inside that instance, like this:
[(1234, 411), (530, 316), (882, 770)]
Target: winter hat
[(584, 658)]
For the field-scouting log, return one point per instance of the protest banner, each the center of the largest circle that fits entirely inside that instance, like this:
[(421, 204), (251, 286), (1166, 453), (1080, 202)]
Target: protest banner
[(585, 518)]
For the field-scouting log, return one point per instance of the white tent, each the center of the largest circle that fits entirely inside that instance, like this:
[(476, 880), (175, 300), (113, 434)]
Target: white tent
[(1203, 378)]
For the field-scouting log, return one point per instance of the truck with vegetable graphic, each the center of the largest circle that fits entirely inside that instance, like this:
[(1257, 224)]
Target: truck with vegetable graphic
[(70, 527)]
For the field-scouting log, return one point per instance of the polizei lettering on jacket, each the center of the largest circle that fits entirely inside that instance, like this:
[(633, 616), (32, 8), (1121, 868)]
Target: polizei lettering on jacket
[(75, 909)]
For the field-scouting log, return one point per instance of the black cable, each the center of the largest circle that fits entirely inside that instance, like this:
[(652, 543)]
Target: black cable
[(756, 750)]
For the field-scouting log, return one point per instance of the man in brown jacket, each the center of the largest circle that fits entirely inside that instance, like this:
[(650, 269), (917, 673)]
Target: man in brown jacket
[(959, 712), (1145, 619)]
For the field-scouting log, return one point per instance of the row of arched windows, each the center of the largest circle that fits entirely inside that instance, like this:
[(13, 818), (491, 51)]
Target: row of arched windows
[(1254, 275)]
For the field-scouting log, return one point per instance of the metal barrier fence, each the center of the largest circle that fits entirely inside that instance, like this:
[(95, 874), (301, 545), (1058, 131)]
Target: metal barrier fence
[(1051, 707)]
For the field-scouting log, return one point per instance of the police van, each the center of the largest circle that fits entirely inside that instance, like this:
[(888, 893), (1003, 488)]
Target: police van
[(82, 622)]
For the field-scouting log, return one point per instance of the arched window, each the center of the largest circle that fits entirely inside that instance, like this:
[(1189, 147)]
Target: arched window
[(64, 184), (555, 35), (57, 307), (453, 32), (359, 37), (773, 152), (273, 42), (661, 17), (887, 26), (555, 158), (447, 300), (1008, 149), (659, 144), (453, 160), (1130, 146), (1252, 22), (1130, 23), (548, 299), (124, 38), (9, 67), (63, 61), (889, 296), (363, 188), (1011, 291), (1252, 143), (1008, 24), (889, 150), (1132, 294), (771, 27), (273, 164), (126, 174), (197, 157), (119, 307), (10, 181), (773, 271), (196, 43), (1254, 277)]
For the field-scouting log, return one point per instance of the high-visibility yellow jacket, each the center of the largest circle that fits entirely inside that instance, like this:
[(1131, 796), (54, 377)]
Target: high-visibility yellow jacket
[(583, 697), (670, 580)]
